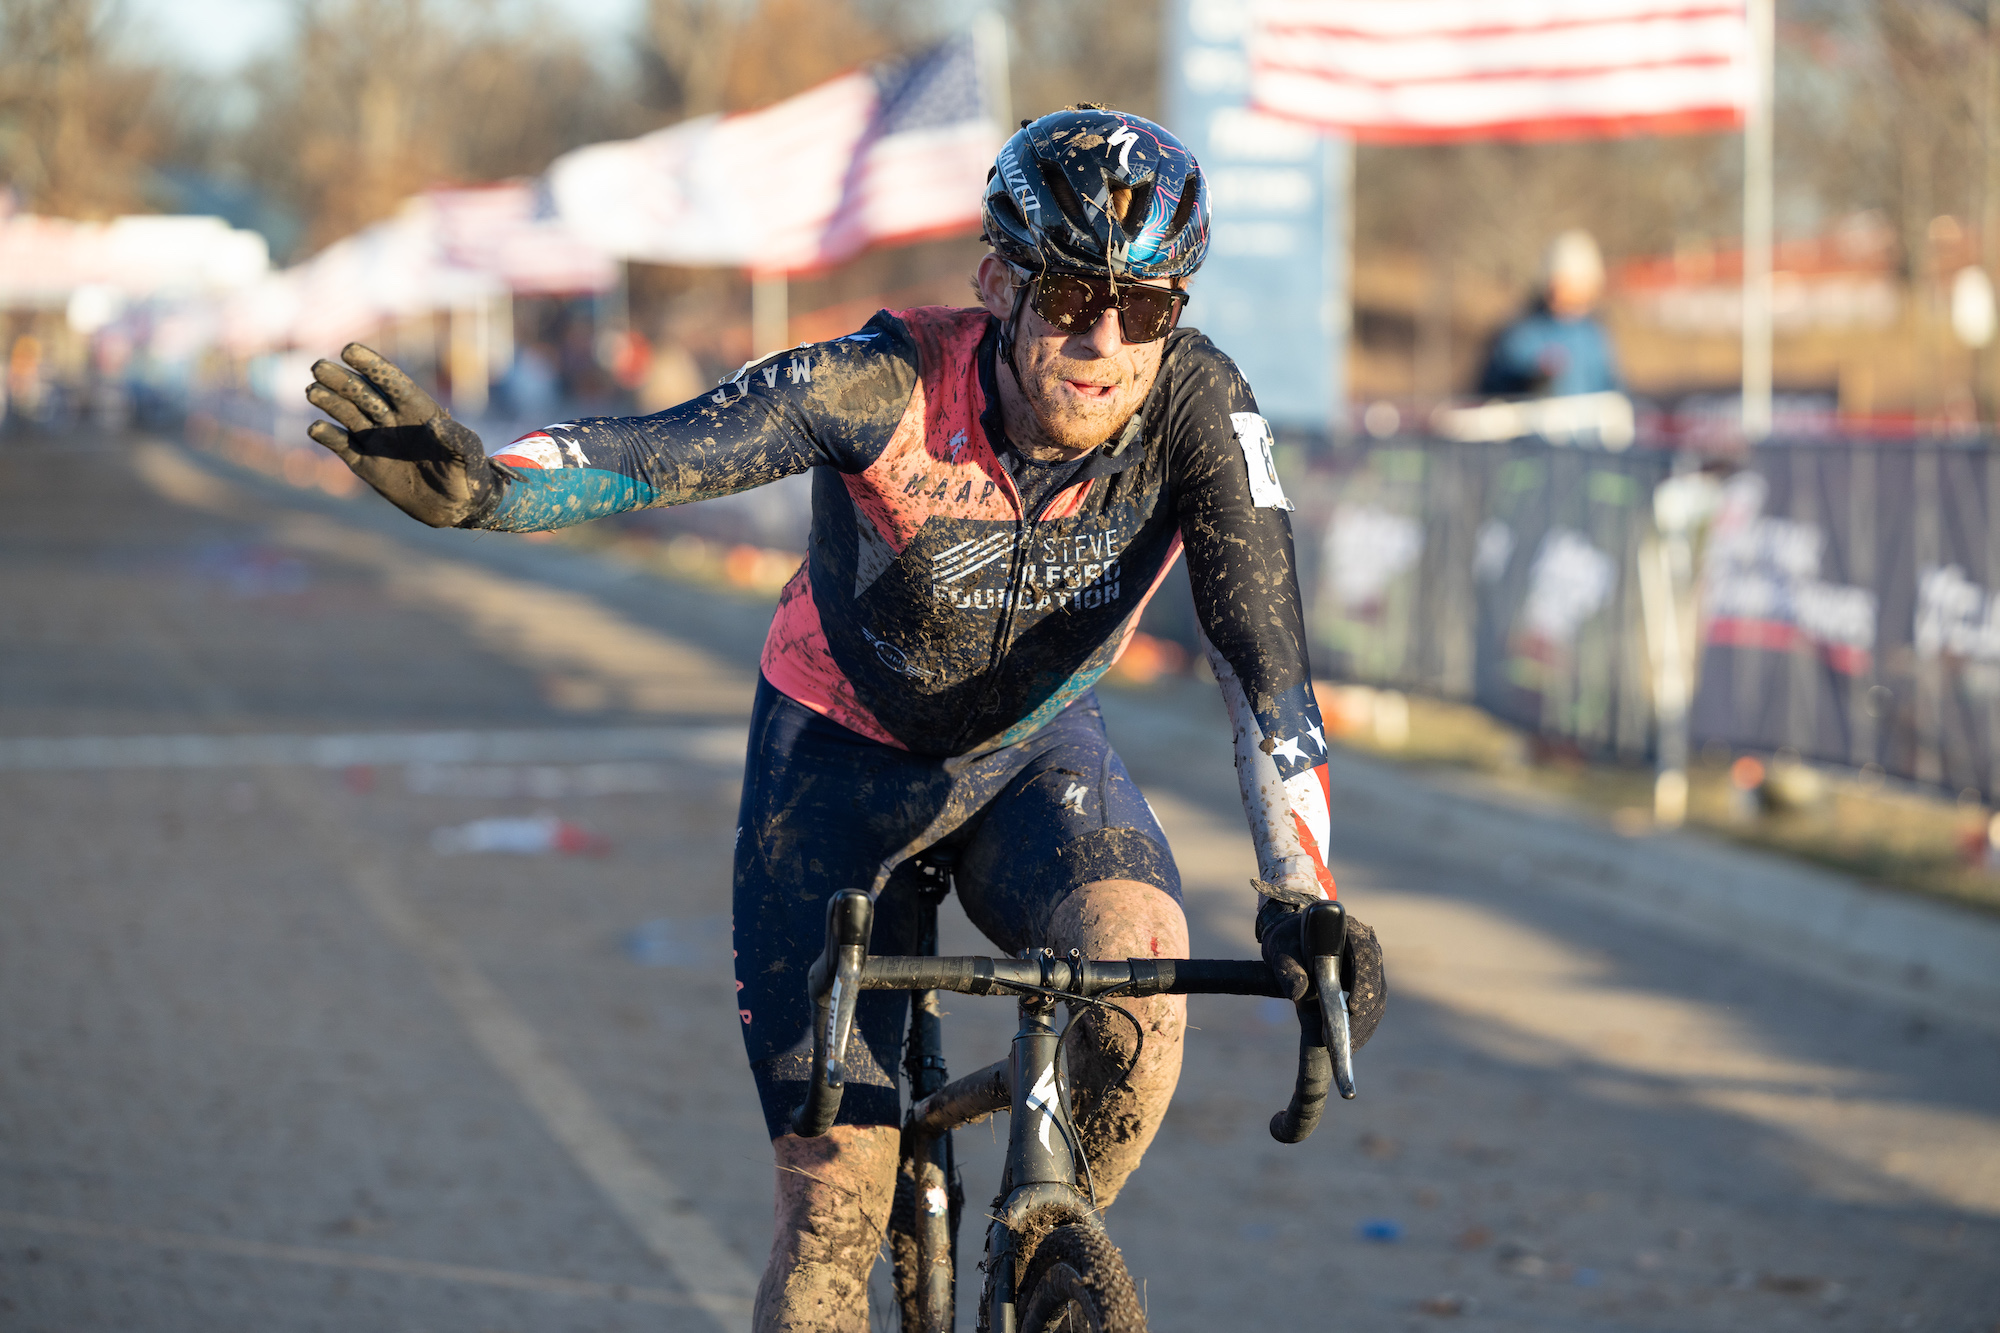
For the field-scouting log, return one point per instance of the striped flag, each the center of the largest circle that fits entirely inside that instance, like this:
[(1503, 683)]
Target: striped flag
[(894, 152), (507, 231), (1429, 71)]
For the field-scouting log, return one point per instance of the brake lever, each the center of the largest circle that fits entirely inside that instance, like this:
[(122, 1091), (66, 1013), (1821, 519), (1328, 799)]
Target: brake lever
[(834, 984), (1326, 937)]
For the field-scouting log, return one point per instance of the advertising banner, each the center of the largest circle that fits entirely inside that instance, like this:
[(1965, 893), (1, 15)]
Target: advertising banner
[(1273, 292), (1849, 610), (1499, 574), (1847, 595)]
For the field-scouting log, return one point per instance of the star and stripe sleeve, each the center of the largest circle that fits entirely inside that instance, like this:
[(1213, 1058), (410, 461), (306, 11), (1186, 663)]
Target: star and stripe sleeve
[(1236, 526)]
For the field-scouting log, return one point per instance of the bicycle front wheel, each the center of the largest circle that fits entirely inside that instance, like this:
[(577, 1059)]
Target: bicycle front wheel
[(1077, 1283)]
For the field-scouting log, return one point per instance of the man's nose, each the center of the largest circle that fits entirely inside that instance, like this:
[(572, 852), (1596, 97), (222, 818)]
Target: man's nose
[(1106, 336)]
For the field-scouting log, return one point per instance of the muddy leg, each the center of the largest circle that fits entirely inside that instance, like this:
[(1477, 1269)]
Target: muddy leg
[(1120, 918), (833, 1197)]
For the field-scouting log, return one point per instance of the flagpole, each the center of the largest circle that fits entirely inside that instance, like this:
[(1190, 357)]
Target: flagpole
[(770, 314), (1339, 150), (1757, 186), (989, 41)]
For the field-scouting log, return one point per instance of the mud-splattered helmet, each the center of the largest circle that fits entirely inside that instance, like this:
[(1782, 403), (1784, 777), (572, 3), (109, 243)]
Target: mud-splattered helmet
[(1097, 192)]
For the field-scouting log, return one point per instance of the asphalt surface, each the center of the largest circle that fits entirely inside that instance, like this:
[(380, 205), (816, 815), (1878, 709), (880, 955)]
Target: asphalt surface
[(280, 1054)]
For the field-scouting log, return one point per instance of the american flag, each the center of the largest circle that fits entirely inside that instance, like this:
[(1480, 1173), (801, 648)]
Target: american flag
[(1426, 71), (508, 230), (890, 153)]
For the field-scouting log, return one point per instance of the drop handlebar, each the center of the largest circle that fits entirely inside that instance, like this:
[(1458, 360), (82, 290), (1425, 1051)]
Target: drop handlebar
[(844, 970)]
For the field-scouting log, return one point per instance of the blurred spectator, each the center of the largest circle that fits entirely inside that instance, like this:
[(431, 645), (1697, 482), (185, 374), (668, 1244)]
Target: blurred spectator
[(671, 379), (24, 378), (1555, 347), (531, 389)]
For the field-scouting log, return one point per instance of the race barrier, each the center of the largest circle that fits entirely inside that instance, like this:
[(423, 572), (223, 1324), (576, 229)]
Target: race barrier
[(1837, 599)]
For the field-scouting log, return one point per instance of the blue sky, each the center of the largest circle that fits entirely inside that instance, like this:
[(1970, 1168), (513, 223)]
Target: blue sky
[(220, 36)]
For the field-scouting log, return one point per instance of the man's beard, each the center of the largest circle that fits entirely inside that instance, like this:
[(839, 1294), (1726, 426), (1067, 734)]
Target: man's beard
[(1067, 421)]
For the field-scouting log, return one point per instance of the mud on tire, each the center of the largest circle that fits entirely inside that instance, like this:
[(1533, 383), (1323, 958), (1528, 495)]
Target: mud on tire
[(1077, 1283)]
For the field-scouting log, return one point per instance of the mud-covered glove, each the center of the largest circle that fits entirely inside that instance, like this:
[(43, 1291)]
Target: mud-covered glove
[(398, 440), (1281, 931)]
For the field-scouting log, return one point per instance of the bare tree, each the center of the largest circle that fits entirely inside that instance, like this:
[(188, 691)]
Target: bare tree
[(1106, 52), (77, 124), (686, 53), (378, 99)]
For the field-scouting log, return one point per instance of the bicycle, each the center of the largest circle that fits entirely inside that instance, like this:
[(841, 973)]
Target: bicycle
[(1049, 1266)]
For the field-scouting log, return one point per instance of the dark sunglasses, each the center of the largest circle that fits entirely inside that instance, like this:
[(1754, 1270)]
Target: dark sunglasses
[(1074, 304)]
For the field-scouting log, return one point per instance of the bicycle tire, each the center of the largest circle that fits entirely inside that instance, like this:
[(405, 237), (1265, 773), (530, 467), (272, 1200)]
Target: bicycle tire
[(1077, 1283)]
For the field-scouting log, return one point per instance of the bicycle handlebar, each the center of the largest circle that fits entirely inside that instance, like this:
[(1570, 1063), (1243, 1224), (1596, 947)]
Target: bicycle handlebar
[(844, 970), (975, 975)]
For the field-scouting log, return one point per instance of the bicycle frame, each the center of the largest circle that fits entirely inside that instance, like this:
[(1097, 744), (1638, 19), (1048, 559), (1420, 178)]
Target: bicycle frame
[(1044, 1162)]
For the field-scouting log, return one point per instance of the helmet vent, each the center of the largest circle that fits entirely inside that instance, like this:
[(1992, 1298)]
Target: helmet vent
[(1003, 203), (1063, 193), (1190, 196), (1131, 204), (1121, 203)]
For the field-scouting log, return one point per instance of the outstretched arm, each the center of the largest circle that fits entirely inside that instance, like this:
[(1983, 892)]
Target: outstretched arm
[(831, 404)]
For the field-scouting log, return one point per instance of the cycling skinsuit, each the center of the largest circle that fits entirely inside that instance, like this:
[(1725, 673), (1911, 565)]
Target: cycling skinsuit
[(927, 676)]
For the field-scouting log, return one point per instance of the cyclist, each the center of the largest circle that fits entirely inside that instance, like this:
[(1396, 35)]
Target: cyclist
[(996, 493)]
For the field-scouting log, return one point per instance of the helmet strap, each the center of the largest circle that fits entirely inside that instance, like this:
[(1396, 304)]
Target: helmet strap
[(1010, 327)]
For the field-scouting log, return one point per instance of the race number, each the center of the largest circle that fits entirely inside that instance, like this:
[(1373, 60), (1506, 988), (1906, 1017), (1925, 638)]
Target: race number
[(1254, 434)]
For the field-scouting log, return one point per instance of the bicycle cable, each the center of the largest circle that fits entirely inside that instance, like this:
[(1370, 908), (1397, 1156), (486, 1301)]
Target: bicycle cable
[(1062, 1100), (1075, 1141)]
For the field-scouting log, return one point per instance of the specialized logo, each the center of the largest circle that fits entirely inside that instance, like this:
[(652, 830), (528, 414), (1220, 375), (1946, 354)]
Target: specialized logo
[(1073, 798), (1017, 184), (1123, 141), (1040, 1098)]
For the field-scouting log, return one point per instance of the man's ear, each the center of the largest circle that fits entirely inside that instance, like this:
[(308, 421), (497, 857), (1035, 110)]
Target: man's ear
[(995, 283)]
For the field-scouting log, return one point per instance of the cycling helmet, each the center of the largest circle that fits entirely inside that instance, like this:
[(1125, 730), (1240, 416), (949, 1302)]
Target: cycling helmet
[(1097, 192)]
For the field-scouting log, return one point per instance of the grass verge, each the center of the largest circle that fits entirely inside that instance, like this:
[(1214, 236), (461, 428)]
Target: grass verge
[(1864, 825)]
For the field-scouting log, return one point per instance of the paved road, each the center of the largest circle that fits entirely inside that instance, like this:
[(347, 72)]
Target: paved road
[(276, 1057)]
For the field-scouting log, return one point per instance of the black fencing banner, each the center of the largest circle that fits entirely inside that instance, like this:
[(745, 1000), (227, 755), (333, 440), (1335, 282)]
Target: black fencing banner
[(1847, 595), (1849, 611), (1501, 574)]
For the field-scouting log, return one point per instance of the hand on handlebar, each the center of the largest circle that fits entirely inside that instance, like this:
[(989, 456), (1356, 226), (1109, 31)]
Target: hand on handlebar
[(1281, 932)]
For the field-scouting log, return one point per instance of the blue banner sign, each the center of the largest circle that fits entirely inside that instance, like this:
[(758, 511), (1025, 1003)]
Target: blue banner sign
[(1273, 293)]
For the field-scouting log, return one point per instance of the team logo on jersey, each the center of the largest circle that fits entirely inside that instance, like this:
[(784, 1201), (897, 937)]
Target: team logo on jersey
[(956, 563), (1069, 570), (894, 658)]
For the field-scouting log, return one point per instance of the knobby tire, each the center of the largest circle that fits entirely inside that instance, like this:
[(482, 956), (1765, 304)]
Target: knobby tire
[(1077, 1283)]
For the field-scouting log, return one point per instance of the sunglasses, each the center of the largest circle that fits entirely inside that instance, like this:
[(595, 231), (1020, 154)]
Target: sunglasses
[(1074, 304)]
